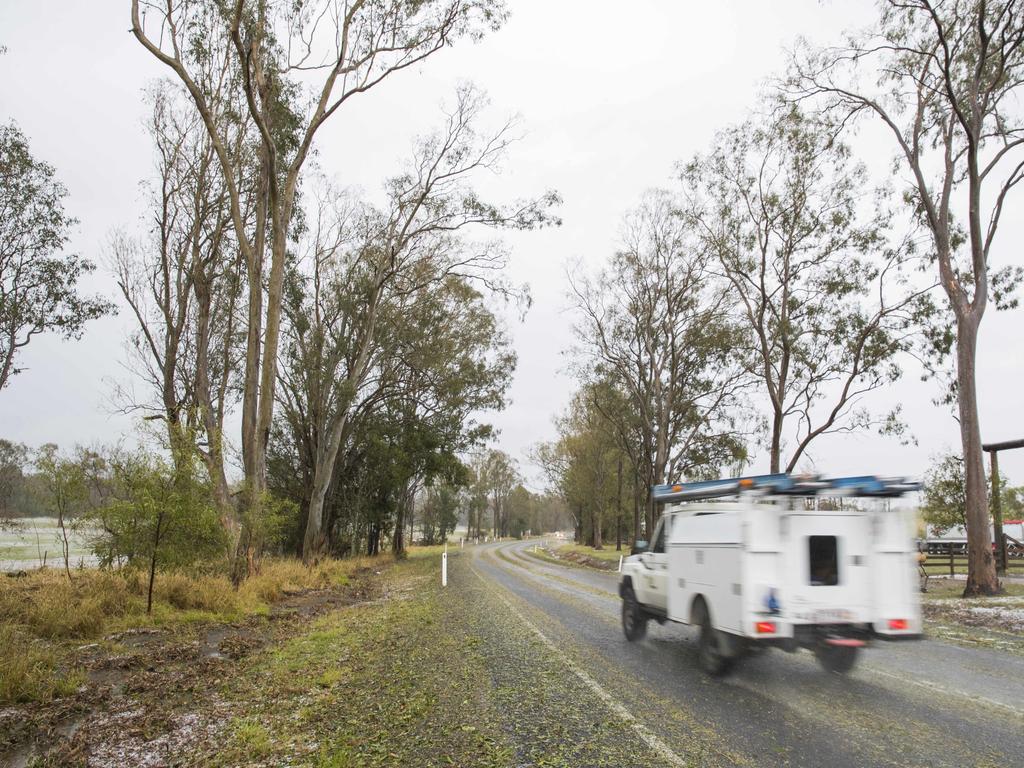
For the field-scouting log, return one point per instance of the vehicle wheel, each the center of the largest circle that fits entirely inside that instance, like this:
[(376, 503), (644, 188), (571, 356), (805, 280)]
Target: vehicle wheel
[(709, 646), (634, 620), (836, 659)]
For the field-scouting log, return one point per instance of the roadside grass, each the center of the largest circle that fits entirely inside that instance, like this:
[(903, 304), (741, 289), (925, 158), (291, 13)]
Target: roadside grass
[(389, 682), (45, 615), (581, 555), (952, 589), (990, 622), (609, 553), (251, 738)]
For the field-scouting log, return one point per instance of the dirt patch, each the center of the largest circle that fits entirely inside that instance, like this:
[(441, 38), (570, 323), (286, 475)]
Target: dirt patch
[(151, 691)]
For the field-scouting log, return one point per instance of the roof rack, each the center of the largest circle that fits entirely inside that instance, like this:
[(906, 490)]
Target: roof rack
[(785, 484)]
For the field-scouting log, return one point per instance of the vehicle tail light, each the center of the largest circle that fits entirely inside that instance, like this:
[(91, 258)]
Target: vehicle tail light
[(898, 624), (765, 627)]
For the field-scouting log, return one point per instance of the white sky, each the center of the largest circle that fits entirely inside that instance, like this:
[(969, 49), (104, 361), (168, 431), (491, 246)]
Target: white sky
[(611, 95)]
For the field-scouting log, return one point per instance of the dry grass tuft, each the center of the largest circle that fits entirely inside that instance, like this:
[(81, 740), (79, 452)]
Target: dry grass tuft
[(214, 594), (29, 670), (43, 608), (50, 606)]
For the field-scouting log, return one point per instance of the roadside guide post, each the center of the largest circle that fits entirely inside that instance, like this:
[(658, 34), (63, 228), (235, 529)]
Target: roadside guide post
[(620, 563), (444, 566)]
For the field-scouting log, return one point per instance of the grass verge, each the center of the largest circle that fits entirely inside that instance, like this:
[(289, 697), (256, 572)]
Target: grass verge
[(990, 622), (390, 682), (30, 671), (44, 616), (603, 559)]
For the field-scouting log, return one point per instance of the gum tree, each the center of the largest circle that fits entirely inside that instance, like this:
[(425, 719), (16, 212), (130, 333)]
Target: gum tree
[(182, 280), (369, 264), (39, 280), (297, 65), (943, 80), (655, 324), (825, 298)]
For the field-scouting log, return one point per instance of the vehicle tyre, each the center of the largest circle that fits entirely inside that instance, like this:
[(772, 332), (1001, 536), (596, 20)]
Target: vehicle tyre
[(836, 659), (709, 645), (634, 619)]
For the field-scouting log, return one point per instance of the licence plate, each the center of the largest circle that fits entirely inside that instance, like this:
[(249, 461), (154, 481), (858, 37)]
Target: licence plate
[(832, 616)]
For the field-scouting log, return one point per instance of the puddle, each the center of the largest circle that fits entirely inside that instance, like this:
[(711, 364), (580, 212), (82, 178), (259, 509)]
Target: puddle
[(19, 758), (230, 643), (69, 727), (110, 679), (211, 644), (22, 755), (138, 638)]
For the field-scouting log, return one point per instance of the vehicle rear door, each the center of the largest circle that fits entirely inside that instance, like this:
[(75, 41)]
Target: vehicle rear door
[(827, 561)]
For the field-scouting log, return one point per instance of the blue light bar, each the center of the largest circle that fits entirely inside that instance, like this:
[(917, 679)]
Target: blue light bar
[(785, 484)]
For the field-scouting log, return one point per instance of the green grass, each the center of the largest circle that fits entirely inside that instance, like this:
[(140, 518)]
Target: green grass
[(249, 739), (952, 589), (392, 682), (31, 671), (608, 553)]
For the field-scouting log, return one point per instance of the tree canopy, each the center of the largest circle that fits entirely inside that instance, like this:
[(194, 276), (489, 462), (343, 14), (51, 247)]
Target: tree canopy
[(39, 279)]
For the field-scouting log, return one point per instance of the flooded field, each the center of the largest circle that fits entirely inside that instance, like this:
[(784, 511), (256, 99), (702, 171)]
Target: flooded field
[(35, 540)]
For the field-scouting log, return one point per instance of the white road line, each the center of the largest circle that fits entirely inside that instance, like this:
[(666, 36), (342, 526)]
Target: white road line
[(658, 746)]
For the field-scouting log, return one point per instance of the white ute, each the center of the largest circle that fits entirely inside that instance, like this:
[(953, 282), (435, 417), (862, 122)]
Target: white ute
[(778, 560)]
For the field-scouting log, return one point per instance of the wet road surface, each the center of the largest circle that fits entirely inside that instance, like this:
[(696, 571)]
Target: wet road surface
[(925, 703)]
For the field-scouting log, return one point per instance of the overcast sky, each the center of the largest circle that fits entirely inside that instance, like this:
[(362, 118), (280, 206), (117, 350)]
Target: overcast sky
[(611, 96)]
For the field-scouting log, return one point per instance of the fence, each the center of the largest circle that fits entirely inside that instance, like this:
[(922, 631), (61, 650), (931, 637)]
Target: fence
[(950, 557)]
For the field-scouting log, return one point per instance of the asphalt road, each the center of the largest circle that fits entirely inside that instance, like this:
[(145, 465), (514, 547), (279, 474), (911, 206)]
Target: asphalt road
[(924, 703)]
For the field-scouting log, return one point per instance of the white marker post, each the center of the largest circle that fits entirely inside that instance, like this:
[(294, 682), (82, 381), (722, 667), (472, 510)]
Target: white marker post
[(444, 566), (620, 563)]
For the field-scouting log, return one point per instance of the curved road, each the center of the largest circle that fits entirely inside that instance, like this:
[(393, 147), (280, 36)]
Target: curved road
[(923, 703)]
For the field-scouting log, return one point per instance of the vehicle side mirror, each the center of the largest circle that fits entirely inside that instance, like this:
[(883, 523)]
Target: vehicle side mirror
[(639, 546)]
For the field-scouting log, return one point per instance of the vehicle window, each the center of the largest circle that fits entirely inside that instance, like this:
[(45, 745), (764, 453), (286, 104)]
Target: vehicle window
[(659, 537), (824, 557)]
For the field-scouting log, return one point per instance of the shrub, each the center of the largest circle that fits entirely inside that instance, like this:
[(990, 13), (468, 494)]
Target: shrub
[(162, 519)]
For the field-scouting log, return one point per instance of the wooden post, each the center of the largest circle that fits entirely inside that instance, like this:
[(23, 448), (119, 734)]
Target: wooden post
[(997, 516), (951, 571)]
